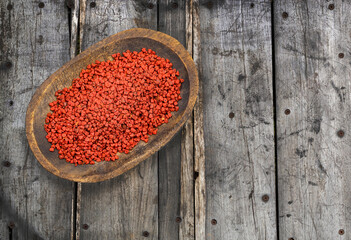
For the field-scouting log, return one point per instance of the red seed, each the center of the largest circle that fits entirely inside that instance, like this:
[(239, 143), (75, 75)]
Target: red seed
[(112, 106)]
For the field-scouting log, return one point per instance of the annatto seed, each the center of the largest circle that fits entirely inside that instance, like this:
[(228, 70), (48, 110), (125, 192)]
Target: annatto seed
[(112, 106)]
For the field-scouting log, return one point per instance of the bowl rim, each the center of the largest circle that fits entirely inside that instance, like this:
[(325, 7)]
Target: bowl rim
[(164, 39)]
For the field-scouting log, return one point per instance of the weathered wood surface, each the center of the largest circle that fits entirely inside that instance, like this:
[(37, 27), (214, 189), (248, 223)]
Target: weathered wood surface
[(171, 21), (199, 141), (231, 42), (313, 82), (127, 206), (34, 41), (236, 72)]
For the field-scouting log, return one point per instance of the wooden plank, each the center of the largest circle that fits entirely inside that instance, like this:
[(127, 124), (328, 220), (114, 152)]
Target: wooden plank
[(236, 69), (171, 21), (199, 141), (313, 82), (187, 184), (127, 206), (35, 41), (74, 9)]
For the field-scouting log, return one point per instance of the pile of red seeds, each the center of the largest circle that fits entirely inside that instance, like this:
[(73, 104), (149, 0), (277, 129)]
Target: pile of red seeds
[(112, 106)]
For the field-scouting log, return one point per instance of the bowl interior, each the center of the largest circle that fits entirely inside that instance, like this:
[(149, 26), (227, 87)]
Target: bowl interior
[(64, 79)]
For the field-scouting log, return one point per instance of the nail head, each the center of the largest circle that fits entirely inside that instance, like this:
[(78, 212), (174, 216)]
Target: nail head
[(174, 5), (85, 226), (291, 239), (7, 164), (341, 133), (9, 7), (70, 3), (209, 4), (341, 232), (11, 225), (150, 5), (41, 5), (178, 219), (146, 234), (9, 64), (287, 111), (252, 5), (265, 198), (331, 6), (341, 55), (231, 115), (285, 15), (214, 222), (93, 4)]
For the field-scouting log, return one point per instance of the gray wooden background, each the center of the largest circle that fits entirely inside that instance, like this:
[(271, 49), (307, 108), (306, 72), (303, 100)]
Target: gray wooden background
[(266, 154)]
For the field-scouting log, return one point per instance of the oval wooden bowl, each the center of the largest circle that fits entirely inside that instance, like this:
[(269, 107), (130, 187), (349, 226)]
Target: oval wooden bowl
[(134, 40)]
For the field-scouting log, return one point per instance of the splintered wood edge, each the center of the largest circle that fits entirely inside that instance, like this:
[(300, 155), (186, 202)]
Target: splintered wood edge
[(165, 39)]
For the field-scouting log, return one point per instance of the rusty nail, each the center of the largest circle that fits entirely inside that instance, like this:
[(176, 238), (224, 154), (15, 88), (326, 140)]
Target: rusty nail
[(178, 219), (146, 234), (213, 221), (331, 6), (341, 55), (69, 3), (9, 7), (265, 198), (341, 232), (41, 5), (9, 64), (174, 5), (231, 115), (341, 133), (209, 4), (7, 164), (93, 4), (11, 225), (252, 5), (150, 5), (285, 15), (85, 226), (287, 111)]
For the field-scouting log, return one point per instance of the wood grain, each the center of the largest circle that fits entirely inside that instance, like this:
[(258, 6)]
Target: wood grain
[(236, 72), (36, 41), (132, 197), (313, 82)]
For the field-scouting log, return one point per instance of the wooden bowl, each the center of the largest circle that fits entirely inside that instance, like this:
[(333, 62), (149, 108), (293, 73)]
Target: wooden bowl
[(134, 40)]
